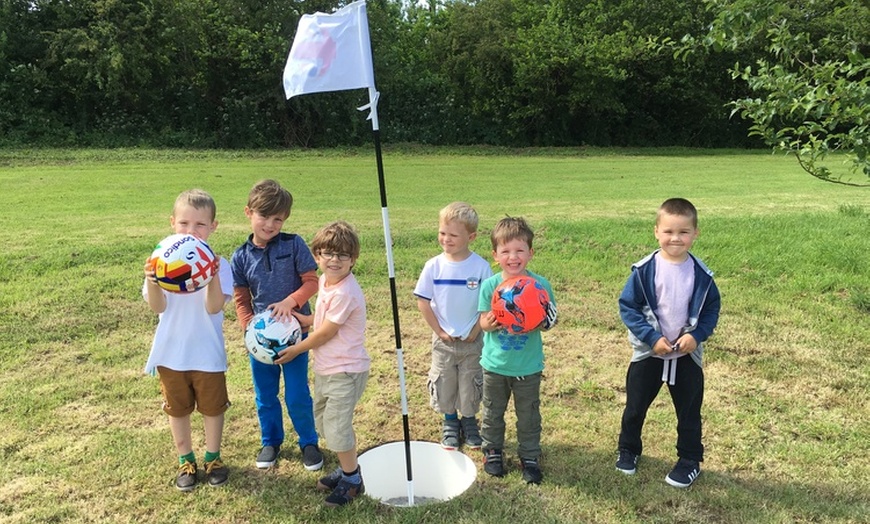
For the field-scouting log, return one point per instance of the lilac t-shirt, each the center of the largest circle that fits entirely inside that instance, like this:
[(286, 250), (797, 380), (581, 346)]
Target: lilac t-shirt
[(674, 285)]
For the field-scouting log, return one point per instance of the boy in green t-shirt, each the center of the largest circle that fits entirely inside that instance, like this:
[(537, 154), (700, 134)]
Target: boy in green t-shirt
[(512, 363)]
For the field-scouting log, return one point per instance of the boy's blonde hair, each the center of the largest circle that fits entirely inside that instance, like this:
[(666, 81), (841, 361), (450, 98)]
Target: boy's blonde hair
[(680, 207), (337, 237), (268, 198), (460, 212), (511, 228), (195, 198)]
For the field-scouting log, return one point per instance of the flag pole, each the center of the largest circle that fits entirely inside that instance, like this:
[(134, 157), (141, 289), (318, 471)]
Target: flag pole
[(333, 53), (388, 241)]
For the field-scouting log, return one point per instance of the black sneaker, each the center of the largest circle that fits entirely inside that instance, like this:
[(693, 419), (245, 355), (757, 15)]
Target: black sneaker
[(344, 493), (532, 471), (471, 432), (627, 462), (329, 482), (216, 473), (493, 462), (684, 473), (186, 478), (312, 458), (450, 434), (267, 456)]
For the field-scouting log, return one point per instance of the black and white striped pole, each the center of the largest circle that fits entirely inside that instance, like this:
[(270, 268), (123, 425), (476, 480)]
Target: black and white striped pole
[(372, 106)]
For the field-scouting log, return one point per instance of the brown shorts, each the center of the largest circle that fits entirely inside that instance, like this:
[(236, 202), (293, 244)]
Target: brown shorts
[(185, 390)]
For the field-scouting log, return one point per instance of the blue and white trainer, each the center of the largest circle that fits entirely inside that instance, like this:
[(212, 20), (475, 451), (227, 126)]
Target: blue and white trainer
[(684, 473)]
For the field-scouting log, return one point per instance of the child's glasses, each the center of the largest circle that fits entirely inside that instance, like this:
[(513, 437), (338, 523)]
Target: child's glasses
[(326, 255)]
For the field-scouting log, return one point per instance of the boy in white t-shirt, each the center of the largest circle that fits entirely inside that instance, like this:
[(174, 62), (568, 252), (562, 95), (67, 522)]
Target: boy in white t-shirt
[(447, 294), (670, 306), (188, 351), (341, 363)]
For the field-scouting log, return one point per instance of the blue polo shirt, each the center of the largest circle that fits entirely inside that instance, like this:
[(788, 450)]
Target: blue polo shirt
[(273, 272)]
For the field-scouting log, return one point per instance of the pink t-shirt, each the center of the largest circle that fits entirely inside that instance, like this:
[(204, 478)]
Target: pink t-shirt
[(345, 305), (674, 285)]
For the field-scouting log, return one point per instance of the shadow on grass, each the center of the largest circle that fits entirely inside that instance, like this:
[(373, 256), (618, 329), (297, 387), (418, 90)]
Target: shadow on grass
[(716, 496)]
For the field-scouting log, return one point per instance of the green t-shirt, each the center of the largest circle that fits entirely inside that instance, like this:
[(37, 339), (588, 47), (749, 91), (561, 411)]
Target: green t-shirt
[(505, 353)]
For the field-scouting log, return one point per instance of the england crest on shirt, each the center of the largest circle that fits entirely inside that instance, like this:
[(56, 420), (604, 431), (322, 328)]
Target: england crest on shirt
[(472, 283)]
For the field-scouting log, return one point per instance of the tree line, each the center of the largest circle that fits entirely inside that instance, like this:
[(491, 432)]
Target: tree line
[(207, 73)]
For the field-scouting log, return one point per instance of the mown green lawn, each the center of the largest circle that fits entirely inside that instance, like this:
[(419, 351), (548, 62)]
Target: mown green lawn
[(787, 422)]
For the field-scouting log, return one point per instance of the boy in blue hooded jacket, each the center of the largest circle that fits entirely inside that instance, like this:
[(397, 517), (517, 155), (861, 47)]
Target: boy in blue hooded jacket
[(670, 306)]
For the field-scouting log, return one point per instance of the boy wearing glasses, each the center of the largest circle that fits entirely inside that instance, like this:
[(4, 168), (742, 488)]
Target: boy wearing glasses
[(447, 295), (341, 363), (275, 270)]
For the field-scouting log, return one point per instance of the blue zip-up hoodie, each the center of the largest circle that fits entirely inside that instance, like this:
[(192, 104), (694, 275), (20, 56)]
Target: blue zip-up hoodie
[(638, 303)]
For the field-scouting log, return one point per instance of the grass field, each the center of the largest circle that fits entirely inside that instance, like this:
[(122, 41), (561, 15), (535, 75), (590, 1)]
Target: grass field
[(787, 417)]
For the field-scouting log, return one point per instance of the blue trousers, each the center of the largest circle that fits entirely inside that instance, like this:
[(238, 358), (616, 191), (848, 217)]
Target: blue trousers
[(297, 398)]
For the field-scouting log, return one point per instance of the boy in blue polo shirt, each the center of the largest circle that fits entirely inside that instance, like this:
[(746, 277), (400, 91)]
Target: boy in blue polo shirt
[(276, 271)]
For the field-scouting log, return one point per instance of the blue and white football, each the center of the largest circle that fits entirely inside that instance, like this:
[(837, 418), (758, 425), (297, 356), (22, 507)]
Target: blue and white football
[(265, 336)]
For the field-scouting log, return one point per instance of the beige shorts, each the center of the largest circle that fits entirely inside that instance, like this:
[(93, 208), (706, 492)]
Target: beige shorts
[(456, 378), (185, 390), (335, 397)]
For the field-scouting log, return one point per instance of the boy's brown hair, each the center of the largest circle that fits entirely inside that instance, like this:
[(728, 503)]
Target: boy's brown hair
[(680, 207), (511, 228), (268, 198), (337, 237)]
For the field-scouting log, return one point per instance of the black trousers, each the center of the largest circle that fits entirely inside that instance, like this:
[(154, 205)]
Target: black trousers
[(642, 384)]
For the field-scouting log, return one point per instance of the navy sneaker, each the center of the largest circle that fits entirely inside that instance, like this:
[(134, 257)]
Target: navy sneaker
[(267, 456), (312, 458), (450, 434), (344, 493), (471, 433), (532, 471), (684, 473), (627, 462), (493, 462), (329, 482)]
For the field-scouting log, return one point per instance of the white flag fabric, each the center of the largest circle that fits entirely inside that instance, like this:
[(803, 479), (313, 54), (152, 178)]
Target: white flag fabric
[(331, 52)]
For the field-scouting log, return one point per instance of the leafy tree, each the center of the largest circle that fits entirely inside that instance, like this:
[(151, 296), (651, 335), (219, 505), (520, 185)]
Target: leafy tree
[(207, 73), (809, 77), (567, 72)]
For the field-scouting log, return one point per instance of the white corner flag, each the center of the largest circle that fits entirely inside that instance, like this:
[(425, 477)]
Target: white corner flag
[(330, 53)]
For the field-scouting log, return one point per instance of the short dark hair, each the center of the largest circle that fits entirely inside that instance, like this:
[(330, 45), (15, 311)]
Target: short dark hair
[(679, 207)]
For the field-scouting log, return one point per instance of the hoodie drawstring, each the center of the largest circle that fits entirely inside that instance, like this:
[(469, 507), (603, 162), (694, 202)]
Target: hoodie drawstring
[(669, 371)]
